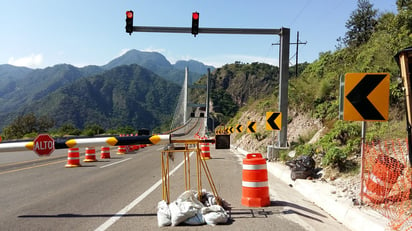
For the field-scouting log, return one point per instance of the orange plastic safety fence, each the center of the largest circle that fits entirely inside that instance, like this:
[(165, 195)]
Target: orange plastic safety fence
[(387, 182)]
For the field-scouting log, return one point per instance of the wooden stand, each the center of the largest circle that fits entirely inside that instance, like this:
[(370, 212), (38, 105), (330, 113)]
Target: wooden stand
[(200, 164)]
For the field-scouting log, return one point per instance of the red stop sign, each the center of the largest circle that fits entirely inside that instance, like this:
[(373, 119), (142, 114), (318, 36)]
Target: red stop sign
[(43, 145)]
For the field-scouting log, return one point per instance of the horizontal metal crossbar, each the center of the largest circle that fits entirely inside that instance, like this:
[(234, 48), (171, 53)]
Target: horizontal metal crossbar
[(161, 29)]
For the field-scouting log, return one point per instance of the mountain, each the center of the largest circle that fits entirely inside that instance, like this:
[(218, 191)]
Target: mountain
[(193, 66), (12, 72), (122, 96), (30, 85), (23, 89), (10, 75), (149, 60), (157, 63)]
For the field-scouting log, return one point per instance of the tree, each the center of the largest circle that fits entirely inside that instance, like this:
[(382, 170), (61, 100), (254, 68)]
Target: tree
[(361, 24), (404, 4), (405, 14), (93, 129), (27, 124), (69, 128)]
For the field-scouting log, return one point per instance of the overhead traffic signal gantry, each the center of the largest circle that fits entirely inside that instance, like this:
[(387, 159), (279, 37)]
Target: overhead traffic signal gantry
[(129, 22), (195, 23)]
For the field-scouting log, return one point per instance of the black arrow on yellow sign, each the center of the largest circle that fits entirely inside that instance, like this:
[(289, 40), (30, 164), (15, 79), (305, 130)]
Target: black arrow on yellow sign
[(358, 97), (273, 120), (239, 128), (251, 127)]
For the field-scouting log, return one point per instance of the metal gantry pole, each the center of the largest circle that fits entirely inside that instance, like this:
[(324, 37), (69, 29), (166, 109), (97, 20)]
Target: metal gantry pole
[(283, 84), (284, 34)]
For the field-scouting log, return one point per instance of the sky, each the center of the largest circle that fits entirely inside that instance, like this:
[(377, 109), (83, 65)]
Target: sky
[(43, 33)]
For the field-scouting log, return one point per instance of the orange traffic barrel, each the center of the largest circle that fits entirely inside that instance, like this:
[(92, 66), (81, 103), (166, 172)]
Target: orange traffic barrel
[(255, 189), (205, 151), (121, 150), (105, 152), (73, 158), (385, 173), (90, 154)]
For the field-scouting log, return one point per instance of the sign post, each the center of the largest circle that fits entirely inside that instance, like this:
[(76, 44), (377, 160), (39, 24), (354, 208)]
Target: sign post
[(43, 145), (366, 99)]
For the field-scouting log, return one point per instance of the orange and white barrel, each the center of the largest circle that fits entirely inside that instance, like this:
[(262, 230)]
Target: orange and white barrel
[(90, 154), (121, 150), (105, 152), (255, 188), (385, 173), (73, 158), (205, 151)]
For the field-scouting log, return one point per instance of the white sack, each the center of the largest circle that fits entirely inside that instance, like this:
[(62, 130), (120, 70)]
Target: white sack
[(215, 214), (163, 214)]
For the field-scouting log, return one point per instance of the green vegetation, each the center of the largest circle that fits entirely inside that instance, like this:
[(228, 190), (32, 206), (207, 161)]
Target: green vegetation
[(369, 45), (27, 126)]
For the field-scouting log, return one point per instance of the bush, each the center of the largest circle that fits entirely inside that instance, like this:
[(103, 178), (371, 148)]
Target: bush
[(335, 157)]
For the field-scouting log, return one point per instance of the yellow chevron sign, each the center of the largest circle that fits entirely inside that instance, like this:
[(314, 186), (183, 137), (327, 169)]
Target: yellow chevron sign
[(366, 97), (273, 121), (251, 126), (239, 128)]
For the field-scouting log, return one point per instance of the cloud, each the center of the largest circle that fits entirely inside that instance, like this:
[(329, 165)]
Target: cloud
[(33, 60), (152, 49)]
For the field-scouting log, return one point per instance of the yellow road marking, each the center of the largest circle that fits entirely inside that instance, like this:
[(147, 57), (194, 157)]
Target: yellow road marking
[(37, 166)]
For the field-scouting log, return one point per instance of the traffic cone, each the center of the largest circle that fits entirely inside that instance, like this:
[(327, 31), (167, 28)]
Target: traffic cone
[(73, 158), (90, 155), (105, 152)]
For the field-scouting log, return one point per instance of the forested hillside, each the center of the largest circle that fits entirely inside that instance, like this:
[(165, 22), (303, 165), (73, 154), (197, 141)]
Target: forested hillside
[(372, 40), (108, 96), (124, 96)]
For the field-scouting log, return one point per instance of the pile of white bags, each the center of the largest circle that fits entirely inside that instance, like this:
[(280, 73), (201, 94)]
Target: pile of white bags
[(187, 209)]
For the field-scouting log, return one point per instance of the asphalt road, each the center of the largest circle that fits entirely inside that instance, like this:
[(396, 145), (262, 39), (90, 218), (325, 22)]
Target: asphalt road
[(122, 193)]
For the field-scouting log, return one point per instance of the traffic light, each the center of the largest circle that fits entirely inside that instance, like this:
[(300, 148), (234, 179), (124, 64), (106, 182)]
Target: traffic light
[(129, 22), (195, 23)]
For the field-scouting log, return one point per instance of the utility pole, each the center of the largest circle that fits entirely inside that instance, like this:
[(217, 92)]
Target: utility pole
[(297, 51)]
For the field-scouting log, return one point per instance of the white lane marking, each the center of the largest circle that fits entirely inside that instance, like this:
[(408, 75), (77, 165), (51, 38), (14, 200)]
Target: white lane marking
[(118, 162), (136, 201)]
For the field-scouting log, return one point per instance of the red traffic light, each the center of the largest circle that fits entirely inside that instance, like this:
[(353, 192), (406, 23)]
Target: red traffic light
[(129, 22), (129, 14), (195, 15), (195, 23)]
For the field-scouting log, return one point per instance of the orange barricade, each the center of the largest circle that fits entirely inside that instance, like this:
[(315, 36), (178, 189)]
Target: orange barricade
[(73, 156), (90, 154), (385, 173), (105, 152), (255, 189), (121, 150), (205, 151)]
